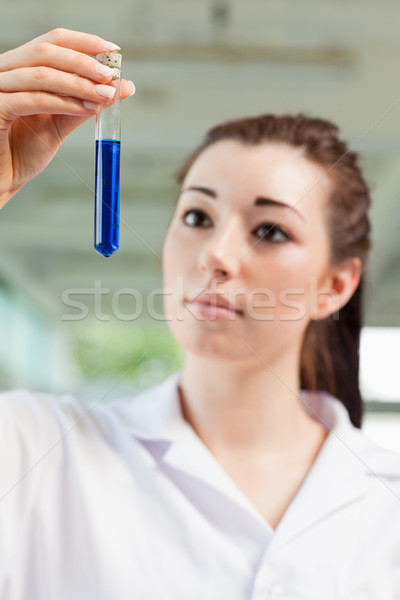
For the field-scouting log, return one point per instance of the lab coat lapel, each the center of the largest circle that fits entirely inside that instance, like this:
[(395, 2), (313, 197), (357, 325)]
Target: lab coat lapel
[(154, 417), (338, 477), (190, 455), (346, 466)]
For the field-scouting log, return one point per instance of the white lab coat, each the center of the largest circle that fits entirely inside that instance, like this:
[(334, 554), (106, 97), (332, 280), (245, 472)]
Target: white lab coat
[(124, 501)]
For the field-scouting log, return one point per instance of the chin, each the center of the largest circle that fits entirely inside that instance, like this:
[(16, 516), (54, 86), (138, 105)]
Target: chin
[(207, 343)]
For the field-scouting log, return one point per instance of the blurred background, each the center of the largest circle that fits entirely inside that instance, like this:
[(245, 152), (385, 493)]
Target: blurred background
[(70, 320)]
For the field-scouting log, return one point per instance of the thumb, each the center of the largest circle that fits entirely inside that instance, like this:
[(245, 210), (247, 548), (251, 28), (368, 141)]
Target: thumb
[(66, 123)]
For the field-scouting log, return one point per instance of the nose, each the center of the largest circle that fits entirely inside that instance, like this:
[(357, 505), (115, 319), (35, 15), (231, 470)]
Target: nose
[(221, 253)]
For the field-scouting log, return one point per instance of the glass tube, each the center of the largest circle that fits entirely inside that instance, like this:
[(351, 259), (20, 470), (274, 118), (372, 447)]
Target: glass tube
[(107, 165)]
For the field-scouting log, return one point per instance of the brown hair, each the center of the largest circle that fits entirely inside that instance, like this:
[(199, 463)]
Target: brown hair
[(330, 353)]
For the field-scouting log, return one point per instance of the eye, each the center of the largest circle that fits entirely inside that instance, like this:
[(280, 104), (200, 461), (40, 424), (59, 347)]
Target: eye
[(195, 218), (271, 232)]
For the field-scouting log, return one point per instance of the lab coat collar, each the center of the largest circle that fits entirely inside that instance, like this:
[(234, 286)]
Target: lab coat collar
[(346, 466)]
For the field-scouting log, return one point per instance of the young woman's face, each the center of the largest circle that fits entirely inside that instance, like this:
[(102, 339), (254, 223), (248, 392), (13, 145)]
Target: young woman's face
[(254, 214)]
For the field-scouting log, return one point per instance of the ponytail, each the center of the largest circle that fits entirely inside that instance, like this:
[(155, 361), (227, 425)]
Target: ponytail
[(330, 357)]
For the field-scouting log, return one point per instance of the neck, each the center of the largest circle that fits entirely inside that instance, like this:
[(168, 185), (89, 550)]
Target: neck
[(242, 409)]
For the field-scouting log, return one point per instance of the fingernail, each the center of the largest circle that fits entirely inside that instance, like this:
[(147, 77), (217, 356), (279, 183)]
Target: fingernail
[(107, 91), (104, 70), (133, 88), (90, 105), (110, 45)]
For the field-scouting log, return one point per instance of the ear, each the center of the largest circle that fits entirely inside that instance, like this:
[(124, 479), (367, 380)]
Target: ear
[(338, 287)]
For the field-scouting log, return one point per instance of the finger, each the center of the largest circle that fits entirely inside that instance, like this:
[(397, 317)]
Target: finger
[(51, 80), (76, 40), (21, 104), (127, 88), (63, 59), (67, 124)]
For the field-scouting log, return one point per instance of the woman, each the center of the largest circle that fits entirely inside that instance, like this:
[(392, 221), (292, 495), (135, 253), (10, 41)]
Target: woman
[(235, 477)]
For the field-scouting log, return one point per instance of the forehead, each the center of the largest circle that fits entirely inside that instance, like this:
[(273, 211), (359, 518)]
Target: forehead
[(275, 169)]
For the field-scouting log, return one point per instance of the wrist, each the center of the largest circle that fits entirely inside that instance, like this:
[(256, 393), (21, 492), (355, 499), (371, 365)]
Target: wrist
[(6, 196)]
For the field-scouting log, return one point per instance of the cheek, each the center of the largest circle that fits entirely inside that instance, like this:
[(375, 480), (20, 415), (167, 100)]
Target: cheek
[(176, 268), (280, 268), (166, 261), (171, 255), (180, 253), (285, 286)]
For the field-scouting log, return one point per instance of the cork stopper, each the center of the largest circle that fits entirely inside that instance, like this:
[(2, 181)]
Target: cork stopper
[(110, 59)]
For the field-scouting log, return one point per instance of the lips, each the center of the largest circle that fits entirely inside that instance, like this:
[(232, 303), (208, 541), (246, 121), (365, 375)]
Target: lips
[(216, 300)]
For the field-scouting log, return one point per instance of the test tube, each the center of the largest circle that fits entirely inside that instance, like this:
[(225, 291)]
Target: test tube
[(107, 165)]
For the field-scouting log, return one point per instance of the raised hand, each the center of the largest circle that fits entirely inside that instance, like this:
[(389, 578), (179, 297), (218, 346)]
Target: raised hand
[(48, 87)]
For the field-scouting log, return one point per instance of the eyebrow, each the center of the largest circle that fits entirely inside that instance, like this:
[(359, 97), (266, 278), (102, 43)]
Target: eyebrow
[(260, 201)]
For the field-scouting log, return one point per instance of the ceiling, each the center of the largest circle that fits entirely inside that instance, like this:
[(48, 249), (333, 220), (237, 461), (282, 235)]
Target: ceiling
[(196, 63)]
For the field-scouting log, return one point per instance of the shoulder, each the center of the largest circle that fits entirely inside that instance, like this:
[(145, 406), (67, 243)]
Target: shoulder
[(30, 413), (152, 410), (376, 459), (357, 444), (34, 413), (382, 464), (381, 469), (354, 459), (37, 417), (40, 427), (32, 422)]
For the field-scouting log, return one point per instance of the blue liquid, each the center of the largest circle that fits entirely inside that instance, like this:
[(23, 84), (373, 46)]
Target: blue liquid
[(106, 213)]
